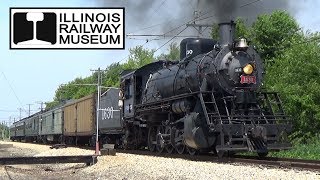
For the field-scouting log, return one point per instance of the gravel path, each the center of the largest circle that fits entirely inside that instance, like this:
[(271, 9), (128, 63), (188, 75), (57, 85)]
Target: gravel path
[(131, 166), (34, 172)]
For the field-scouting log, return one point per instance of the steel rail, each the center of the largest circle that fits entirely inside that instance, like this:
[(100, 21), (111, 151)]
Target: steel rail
[(280, 162), (88, 160), (208, 157)]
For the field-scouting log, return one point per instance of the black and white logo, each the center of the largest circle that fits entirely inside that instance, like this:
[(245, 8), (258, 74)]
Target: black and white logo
[(35, 28), (67, 28)]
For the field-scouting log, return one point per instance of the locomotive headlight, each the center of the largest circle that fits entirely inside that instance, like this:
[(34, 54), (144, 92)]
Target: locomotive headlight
[(248, 69)]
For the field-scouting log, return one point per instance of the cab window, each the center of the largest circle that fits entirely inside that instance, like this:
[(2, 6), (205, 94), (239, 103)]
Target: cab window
[(127, 93)]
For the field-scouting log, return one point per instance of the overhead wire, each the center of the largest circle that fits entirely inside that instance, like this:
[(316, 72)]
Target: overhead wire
[(190, 4), (147, 41), (170, 39), (166, 42), (176, 28), (179, 26), (187, 22), (207, 12), (14, 92), (149, 27), (155, 10), (159, 35), (248, 4), (5, 110), (159, 47), (193, 19), (242, 6)]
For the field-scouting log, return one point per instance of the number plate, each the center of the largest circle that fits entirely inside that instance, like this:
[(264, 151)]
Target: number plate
[(248, 80)]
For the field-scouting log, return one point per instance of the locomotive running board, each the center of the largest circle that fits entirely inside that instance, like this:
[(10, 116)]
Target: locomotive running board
[(161, 104), (88, 160)]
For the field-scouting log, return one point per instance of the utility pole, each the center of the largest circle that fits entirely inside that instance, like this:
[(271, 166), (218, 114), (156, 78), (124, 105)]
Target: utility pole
[(9, 127), (9, 130), (20, 110), (199, 27), (98, 109), (29, 112), (2, 131), (41, 104)]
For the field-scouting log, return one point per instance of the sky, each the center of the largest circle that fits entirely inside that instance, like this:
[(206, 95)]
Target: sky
[(30, 76)]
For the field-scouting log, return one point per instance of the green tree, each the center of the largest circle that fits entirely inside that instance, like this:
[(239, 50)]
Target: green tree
[(273, 34), (215, 32), (242, 30), (295, 74), (111, 78), (73, 90), (51, 104), (292, 68), (139, 57), (174, 53)]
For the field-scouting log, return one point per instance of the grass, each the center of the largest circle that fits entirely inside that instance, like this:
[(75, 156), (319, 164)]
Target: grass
[(300, 151), (310, 151)]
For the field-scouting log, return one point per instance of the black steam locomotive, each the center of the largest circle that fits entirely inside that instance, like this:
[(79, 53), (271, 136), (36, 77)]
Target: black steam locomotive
[(210, 100)]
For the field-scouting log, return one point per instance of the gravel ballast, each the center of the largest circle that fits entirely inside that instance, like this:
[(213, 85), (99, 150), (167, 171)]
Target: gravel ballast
[(132, 166)]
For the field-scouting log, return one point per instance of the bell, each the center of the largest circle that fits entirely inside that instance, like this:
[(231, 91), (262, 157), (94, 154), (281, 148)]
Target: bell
[(242, 44)]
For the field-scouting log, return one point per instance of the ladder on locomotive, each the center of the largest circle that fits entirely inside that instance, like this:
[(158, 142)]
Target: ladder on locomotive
[(210, 107), (272, 100)]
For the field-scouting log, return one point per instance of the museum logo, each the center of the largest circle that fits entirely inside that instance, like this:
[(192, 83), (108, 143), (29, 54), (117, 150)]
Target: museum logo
[(67, 28)]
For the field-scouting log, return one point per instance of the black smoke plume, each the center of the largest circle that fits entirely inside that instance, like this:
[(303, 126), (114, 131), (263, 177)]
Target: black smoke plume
[(172, 13), (226, 10)]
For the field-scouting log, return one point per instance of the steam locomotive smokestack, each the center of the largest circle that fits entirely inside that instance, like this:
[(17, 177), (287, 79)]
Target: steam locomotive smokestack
[(227, 33)]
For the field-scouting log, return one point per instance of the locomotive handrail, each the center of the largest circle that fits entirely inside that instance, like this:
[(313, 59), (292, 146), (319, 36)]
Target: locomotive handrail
[(256, 116), (241, 120), (171, 98), (152, 108), (269, 92)]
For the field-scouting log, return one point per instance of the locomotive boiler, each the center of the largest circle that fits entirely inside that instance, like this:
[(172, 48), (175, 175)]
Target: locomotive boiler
[(225, 67), (211, 99)]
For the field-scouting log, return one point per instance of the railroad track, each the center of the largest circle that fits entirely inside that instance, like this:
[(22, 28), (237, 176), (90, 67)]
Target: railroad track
[(267, 161), (88, 160), (279, 162)]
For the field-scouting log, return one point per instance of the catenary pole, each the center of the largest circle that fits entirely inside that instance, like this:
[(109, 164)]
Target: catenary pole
[(29, 111), (98, 108), (20, 109)]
